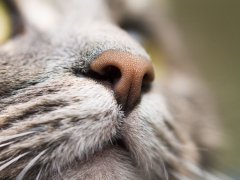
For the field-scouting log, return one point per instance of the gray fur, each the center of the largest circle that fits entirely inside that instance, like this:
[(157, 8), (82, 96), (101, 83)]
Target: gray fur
[(58, 123)]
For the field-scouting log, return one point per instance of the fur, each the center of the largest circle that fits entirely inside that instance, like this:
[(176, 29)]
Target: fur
[(58, 123)]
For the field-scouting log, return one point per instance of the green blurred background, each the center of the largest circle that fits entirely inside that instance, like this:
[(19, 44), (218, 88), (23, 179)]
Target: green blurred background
[(210, 30)]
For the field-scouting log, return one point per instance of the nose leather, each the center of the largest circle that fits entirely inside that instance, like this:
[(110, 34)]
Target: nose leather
[(134, 73)]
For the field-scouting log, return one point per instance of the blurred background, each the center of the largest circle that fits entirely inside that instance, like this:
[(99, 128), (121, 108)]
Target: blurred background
[(210, 30)]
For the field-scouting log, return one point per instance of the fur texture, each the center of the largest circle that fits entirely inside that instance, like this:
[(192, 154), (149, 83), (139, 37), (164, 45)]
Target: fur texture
[(58, 123)]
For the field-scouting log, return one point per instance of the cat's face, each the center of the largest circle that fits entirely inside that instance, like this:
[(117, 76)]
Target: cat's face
[(61, 118)]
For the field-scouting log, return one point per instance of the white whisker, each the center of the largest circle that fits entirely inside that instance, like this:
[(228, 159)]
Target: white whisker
[(12, 161), (2, 162), (5, 144), (29, 165), (6, 138), (164, 169), (39, 174)]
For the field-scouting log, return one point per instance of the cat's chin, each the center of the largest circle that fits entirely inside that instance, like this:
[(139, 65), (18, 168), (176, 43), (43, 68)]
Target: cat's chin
[(113, 162)]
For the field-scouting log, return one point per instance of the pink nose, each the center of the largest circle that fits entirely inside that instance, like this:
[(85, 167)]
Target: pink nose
[(129, 74)]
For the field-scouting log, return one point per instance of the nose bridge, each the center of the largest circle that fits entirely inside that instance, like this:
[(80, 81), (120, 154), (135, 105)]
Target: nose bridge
[(100, 37), (135, 72), (78, 47), (99, 46)]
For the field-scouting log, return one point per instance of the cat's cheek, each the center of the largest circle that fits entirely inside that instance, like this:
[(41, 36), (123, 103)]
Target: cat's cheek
[(150, 132), (141, 127), (89, 121), (111, 163)]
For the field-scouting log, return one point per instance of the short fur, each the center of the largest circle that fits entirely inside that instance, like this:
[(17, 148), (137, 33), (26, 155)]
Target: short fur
[(58, 123)]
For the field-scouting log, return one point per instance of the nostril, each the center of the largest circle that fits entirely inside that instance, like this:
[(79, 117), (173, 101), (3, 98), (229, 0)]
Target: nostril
[(112, 74), (108, 74), (146, 79), (126, 73)]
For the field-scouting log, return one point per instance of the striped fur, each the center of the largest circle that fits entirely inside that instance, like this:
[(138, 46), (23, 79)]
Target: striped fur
[(58, 123)]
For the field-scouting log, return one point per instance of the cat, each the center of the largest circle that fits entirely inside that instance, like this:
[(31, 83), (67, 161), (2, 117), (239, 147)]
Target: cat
[(79, 99)]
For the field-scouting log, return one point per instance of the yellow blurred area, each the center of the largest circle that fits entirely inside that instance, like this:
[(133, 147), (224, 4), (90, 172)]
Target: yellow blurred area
[(157, 58), (5, 23)]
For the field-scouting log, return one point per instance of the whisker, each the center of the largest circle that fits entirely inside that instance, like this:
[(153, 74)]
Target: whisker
[(12, 161), (5, 144), (164, 169), (8, 159), (29, 165), (39, 174), (7, 138), (187, 147)]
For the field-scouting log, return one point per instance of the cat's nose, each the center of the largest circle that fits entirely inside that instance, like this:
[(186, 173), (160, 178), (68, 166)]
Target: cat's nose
[(126, 73)]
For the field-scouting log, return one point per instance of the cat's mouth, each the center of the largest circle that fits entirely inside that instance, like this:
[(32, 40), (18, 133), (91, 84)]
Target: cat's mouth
[(68, 126), (131, 139)]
